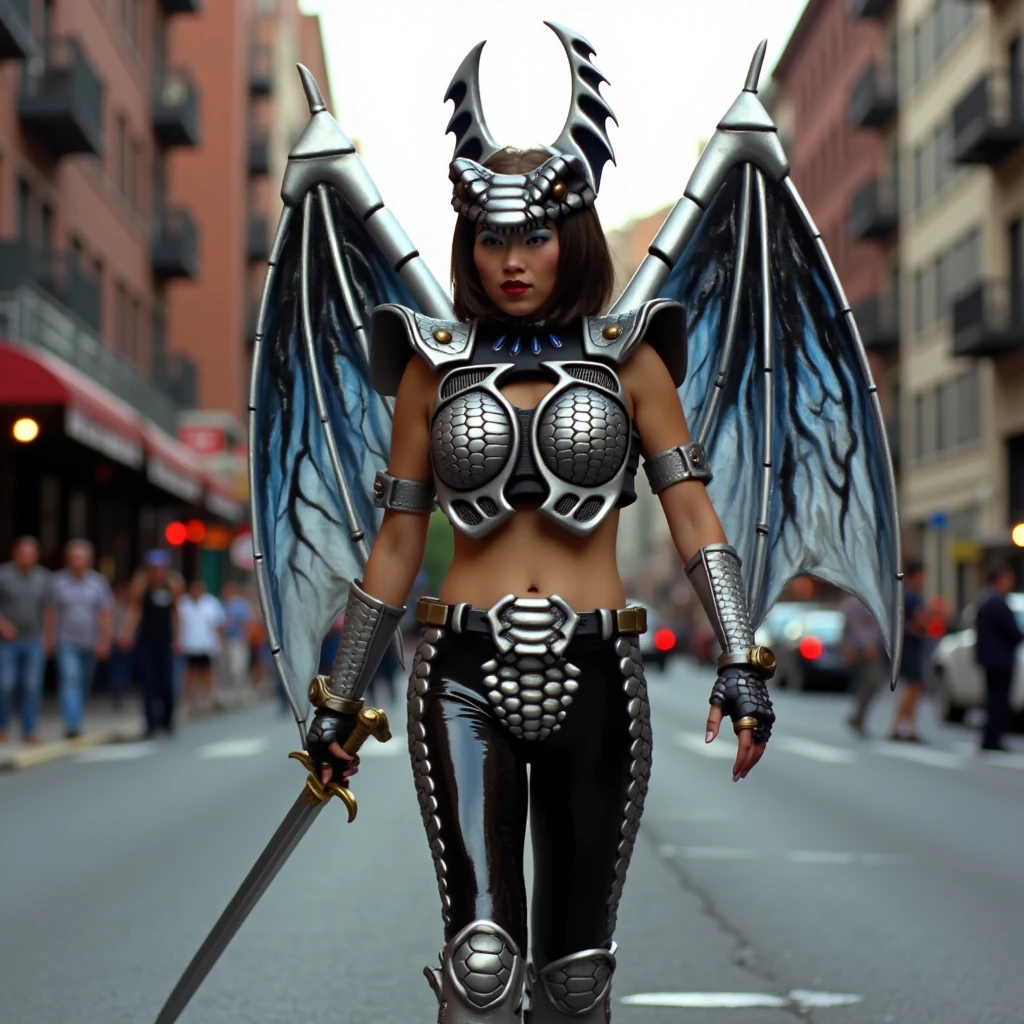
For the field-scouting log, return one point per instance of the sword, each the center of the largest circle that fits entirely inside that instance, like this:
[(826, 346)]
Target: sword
[(312, 800)]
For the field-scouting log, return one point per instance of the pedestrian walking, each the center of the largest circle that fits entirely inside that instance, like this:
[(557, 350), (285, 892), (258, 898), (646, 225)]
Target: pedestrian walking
[(861, 645), (119, 668), (915, 634), (238, 615), (997, 637), (24, 587), (77, 628), (152, 626), (201, 618)]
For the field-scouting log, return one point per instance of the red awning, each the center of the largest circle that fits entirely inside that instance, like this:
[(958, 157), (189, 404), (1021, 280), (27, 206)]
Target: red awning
[(93, 416), (173, 466)]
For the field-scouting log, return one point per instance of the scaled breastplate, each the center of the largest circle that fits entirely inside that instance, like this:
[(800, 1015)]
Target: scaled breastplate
[(574, 453)]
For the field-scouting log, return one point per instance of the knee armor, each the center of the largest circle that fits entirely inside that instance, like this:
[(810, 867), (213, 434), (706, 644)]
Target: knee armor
[(480, 980)]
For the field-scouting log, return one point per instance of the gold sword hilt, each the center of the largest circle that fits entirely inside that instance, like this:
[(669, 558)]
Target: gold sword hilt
[(370, 722)]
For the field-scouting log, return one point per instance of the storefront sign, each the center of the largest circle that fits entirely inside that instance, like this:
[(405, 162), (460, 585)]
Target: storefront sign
[(164, 475), (204, 439), (101, 438)]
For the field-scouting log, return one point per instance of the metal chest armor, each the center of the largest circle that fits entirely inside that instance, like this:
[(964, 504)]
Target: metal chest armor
[(572, 453)]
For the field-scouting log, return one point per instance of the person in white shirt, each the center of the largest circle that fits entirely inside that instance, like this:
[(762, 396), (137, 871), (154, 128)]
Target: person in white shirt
[(200, 633)]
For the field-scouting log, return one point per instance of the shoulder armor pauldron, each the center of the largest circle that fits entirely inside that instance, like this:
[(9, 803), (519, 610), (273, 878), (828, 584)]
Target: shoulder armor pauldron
[(661, 322), (396, 332)]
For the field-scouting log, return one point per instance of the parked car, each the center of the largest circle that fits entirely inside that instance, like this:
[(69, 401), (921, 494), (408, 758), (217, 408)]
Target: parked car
[(959, 680), (809, 652), (662, 640)]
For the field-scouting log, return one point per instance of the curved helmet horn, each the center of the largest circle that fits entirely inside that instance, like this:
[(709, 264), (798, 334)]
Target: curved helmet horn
[(473, 138), (585, 133)]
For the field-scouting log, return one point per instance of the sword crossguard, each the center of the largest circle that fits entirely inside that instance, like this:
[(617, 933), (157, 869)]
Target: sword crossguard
[(370, 722)]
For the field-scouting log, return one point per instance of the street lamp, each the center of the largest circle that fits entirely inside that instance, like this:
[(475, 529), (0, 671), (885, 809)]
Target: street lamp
[(1017, 535), (25, 430)]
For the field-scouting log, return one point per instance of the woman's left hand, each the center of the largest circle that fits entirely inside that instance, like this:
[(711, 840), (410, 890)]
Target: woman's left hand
[(742, 693)]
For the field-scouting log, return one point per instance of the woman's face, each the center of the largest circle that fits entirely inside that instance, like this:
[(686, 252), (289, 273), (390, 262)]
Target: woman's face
[(518, 271)]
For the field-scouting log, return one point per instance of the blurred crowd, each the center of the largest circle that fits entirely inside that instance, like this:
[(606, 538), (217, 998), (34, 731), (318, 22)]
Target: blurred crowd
[(174, 641)]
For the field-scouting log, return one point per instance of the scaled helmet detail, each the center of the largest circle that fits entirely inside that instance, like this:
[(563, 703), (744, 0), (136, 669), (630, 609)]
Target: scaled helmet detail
[(562, 185)]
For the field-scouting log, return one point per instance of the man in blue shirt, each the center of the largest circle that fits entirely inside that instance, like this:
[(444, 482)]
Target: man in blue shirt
[(995, 651)]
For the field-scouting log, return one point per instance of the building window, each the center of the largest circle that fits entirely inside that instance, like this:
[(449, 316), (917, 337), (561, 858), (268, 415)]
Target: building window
[(969, 406), (120, 152), (46, 227), (24, 209), (917, 45)]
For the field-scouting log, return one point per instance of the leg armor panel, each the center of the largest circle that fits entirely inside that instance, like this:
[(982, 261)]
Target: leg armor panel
[(575, 988)]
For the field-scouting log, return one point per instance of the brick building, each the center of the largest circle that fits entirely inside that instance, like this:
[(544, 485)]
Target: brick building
[(138, 140)]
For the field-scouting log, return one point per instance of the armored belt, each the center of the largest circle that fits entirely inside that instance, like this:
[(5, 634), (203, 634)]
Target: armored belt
[(461, 618)]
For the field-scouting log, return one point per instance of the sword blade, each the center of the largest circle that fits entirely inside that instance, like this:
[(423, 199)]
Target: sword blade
[(269, 863)]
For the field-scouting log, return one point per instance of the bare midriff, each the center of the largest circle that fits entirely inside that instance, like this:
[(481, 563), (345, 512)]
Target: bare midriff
[(530, 555)]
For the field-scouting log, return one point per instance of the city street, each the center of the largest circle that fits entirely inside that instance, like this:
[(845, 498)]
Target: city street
[(843, 881)]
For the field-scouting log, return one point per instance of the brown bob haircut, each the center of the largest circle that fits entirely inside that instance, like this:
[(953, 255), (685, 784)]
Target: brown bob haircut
[(586, 276)]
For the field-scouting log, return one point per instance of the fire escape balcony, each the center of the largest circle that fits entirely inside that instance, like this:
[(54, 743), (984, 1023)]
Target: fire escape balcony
[(873, 100), (258, 239), (874, 211), (870, 8), (878, 321), (177, 377), (175, 250), (988, 122), (261, 69), (176, 108), (16, 39), (988, 320), (61, 99), (258, 159), (181, 6), (60, 274)]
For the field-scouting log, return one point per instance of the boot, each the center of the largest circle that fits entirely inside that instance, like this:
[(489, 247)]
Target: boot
[(575, 989), (480, 980)]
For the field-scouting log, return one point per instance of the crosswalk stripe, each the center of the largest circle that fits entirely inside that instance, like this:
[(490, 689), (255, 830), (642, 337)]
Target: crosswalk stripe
[(920, 755), (715, 749), (815, 751), (117, 752), (234, 748)]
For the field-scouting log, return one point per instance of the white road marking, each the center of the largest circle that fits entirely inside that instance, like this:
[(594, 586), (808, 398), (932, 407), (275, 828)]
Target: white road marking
[(921, 755), (803, 998), (718, 853), (695, 814), (813, 750), (835, 857), (117, 752), (715, 749), (234, 748), (819, 857)]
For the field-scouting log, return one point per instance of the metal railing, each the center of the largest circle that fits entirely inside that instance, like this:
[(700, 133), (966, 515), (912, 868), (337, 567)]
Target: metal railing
[(878, 321), (874, 209), (176, 376), (61, 274), (182, 6), (261, 69), (176, 108), (873, 98), (989, 119), (62, 96), (870, 8), (16, 39), (175, 247), (258, 160), (258, 240), (989, 318)]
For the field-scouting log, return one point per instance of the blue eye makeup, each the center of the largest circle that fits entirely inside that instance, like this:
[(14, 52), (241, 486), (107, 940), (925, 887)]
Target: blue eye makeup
[(539, 237), (490, 239)]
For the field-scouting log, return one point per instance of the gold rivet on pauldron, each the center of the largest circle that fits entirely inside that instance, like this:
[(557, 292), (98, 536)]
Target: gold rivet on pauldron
[(559, 190), (611, 332), (442, 337)]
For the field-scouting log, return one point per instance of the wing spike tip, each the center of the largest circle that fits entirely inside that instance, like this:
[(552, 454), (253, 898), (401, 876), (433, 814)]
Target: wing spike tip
[(755, 67), (314, 97)]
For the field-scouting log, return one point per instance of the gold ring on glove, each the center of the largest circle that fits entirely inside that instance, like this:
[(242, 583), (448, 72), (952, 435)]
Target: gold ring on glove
[(746, 722)]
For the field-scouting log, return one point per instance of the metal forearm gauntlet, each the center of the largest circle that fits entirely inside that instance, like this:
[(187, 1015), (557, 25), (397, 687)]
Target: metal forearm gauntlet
[(714, 573), (369, 626)]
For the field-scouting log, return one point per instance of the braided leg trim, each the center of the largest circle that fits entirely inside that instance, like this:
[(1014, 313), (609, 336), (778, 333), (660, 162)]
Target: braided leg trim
[(419, 683), (639, 710)]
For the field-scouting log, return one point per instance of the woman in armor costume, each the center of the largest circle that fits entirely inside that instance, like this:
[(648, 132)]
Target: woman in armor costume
[(523, 412)]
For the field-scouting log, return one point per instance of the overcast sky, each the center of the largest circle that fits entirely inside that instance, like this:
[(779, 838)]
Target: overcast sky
[(673, 68)]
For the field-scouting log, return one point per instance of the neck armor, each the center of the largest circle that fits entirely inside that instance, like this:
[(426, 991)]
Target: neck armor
[(564, 184)]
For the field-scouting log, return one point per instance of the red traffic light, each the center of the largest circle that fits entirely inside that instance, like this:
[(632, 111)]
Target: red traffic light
[(664, 639), (195, 531), (176, 534), (811, 648)]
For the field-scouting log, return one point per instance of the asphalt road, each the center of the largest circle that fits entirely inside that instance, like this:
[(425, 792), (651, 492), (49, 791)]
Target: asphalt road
[(843, 881)]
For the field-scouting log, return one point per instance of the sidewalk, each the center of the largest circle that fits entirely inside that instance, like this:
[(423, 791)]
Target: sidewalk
[(104, 725)]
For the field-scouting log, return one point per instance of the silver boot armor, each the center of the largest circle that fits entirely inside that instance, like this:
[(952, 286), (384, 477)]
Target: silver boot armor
[(480, 980), (575, 988)]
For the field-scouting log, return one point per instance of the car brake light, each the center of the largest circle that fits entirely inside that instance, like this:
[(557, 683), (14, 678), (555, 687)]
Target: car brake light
[(810, 648), (936, 629), (664, 639)]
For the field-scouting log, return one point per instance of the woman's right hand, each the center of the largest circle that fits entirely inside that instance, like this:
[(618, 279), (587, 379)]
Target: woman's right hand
[(327, 732)]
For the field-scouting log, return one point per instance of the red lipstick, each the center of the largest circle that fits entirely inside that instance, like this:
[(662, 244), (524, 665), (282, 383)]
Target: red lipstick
[(514, 288)]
